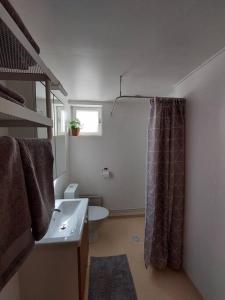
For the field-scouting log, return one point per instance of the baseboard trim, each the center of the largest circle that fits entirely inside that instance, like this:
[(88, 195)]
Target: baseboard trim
[(135, 212)]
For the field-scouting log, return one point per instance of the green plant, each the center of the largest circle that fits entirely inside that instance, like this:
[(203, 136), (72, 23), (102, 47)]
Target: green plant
[(75, 124)]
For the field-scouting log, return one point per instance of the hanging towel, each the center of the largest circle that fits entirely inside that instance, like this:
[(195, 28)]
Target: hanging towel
[(37, 159), (13, 55), (15, 16), (16, 239), (11, 95)]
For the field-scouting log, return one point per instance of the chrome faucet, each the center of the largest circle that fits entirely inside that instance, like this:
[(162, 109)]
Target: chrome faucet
[(58, 210)]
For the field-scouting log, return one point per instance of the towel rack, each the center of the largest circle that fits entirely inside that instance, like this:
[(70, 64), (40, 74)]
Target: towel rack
[(38, 72), (12, 114)]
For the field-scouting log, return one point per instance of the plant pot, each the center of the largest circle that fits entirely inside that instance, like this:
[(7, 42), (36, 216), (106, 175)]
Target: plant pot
[(75, 131)]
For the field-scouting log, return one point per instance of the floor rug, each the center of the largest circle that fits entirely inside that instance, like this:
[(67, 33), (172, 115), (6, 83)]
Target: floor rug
[(110, 279)]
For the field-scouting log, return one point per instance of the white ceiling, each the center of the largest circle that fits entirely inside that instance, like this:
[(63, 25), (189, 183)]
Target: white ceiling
[(89, 43)]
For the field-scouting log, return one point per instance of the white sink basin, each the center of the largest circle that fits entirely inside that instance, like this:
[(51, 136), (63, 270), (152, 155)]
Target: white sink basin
[(67, 221)]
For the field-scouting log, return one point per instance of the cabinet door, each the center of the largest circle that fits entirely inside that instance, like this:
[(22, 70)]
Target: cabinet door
[(83, 260)]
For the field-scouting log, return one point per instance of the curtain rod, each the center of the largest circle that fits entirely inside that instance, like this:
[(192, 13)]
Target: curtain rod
[(135, 96), (129, 96)]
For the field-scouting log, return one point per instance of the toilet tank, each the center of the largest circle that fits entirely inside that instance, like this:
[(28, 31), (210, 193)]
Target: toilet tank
[(71, 192)]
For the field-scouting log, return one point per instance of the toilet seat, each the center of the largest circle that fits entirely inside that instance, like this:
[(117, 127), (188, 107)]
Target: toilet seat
[(97, 213)]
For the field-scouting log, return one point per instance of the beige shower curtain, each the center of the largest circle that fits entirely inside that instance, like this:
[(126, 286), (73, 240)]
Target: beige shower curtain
[(165, 184)]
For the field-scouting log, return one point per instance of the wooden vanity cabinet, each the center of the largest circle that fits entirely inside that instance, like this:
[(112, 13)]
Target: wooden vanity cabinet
[(83, 260), (56, 271)]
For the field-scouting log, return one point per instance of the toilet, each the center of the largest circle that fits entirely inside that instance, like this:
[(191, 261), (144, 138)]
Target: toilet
[(96, 214)]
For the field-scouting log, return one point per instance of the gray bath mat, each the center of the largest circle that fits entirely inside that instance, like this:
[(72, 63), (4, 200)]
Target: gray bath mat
[(111, 279)]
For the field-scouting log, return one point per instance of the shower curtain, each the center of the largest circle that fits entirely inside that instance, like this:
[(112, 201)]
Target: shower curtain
[(165, 184)]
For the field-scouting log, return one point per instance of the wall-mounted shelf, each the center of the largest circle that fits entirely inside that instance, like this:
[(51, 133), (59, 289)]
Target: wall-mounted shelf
[(14, 115), (35, 69), (20, 60)]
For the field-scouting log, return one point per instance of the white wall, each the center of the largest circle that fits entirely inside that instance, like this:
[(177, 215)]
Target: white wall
[(121, 148), (204, 246)]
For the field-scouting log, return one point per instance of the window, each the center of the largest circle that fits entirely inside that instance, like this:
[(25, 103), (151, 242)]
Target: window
[(90, 117)]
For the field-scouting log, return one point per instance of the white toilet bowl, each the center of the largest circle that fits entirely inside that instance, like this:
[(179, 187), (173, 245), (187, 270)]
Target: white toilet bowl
[(96, 215)]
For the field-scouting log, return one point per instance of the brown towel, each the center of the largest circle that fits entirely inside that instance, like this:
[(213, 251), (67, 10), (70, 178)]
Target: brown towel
[(37, 161), (16, 239), (11, 95), (12, 53), (15, 16)]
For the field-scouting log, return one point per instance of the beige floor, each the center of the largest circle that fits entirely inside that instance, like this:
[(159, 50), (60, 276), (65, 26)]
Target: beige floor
[(115, 237)]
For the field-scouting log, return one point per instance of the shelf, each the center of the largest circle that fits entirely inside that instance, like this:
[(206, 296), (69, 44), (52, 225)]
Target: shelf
[(14, 115), (36, 70)]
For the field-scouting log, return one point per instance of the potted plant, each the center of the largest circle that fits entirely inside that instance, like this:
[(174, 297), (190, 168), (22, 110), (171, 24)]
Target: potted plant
[(75, 126)]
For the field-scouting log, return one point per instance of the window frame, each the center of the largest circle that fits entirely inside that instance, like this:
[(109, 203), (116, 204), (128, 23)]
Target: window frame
[(88, 107)]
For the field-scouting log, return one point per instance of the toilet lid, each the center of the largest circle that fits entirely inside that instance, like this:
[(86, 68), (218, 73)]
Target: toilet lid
[(97, 213)]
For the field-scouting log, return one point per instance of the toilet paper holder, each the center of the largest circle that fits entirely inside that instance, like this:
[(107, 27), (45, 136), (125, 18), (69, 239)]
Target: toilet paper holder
[(106, 173)]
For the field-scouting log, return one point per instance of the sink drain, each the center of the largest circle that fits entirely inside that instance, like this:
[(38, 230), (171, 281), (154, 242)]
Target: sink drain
[(63, 226)]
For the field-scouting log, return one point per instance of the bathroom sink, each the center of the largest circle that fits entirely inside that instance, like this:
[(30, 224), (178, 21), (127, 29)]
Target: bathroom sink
[(67, 221)]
